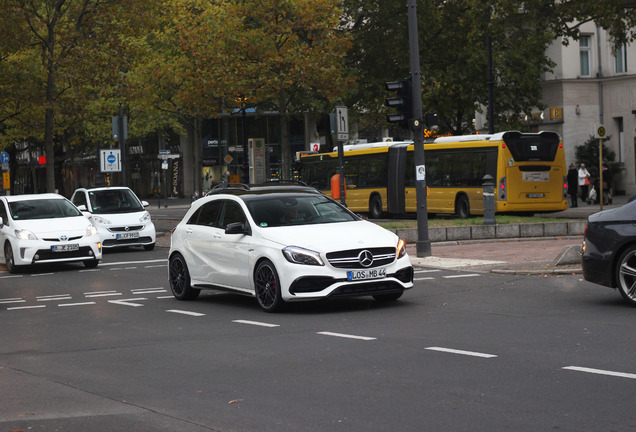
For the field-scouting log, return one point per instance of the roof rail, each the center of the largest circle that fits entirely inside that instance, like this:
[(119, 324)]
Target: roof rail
[(222, 186)]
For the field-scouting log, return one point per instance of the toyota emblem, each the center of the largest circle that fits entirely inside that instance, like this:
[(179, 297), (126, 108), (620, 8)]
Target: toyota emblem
[(63, 238), (365, 258)]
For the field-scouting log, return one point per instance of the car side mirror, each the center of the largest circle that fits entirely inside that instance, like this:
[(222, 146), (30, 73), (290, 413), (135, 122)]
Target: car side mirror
[(145, 203), (1, 222), (237, 228), (82, 208)]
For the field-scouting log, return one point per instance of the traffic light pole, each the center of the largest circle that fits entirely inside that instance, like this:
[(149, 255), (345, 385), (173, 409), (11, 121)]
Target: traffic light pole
[(423, 244)]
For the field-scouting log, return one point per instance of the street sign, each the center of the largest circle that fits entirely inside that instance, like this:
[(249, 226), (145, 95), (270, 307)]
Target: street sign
[(4, 157), (6, 180), (110, 160), (228, 159), (342, 123), (599, 131)]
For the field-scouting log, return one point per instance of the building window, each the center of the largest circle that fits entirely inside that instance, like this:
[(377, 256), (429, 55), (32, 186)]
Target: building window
[(621, 139), (585, 50), (620, 59)]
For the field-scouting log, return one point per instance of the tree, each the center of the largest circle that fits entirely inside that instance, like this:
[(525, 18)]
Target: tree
[(453, 45), (67, 53), (268, 54)]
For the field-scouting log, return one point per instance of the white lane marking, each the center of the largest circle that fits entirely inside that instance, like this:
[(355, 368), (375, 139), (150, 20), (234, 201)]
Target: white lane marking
[(427, 271), (103, 295), (461, 276), (423, 278), (177, 311), (98, 292), (133, 262), (11, 276), (12, 300), (26, 307), (76, 304), (89, 270), (347, 336), (601, 372), (148, 290), (54, 297), (256, 323), (128, 302), (165, 297), (156, 266), (461, 352), (42, 274)]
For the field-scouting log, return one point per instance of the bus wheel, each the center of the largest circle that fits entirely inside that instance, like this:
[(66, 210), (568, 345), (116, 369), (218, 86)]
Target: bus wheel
[(375, 207), (462, 207)]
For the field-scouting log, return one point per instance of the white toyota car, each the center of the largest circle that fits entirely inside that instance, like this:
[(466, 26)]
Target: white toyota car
[(45, 228), (284, 244), (119, 216)]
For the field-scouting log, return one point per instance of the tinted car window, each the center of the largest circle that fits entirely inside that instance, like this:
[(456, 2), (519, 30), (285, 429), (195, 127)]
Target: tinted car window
[(233, 213), (208, 214), (111, 201), (297, 210), (42, 209), (80, 199)]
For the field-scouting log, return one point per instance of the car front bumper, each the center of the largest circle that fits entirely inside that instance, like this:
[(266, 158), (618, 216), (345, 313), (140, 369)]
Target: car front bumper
[(29, 252)]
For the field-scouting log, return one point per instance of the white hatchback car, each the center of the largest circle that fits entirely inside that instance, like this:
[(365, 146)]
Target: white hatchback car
[(119, 216), (283, 245), (45, 228)]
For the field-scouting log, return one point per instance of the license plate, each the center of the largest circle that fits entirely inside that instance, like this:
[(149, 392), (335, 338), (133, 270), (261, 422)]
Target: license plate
[(535, 195), (542, 176), (65, 247), (128, 235), (378, 273)]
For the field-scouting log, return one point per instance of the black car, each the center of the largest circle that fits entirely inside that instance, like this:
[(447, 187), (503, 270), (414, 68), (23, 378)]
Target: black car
[(609, 250)]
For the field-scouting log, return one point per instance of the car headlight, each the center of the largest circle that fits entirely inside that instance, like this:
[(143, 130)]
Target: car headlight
[(299, 255), (25, 235), (401, 248), (91, 231), (101, 220), (145, 217)]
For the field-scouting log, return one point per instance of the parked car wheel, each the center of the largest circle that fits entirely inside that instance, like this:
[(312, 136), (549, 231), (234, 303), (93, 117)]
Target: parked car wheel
[(267, 286), (626, 275), (180, 279), (91, 264), (9, 260)]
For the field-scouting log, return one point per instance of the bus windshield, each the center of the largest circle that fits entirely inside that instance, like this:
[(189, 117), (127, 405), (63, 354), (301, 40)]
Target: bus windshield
[(525, 148)]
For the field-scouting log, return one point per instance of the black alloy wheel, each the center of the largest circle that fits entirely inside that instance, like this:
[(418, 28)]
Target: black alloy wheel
[(267, 287), (626, 275), (180, 279)]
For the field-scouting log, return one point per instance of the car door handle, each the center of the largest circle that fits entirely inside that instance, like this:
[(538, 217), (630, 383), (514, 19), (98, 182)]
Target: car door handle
[(216, 236), (188, 231)]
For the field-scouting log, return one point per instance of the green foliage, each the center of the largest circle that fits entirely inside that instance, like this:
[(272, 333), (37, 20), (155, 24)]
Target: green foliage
[(588, 154)]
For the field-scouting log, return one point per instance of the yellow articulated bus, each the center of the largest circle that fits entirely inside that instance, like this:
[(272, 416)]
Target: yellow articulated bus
[(528, 169)]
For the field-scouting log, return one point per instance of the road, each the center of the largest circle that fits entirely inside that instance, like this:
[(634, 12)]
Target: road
[(110, 350)]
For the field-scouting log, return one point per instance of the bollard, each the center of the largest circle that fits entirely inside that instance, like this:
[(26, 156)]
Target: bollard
[(489, 200)]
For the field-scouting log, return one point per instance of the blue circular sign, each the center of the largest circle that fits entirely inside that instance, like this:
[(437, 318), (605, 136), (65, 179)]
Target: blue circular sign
[(111, 159), (4, 157)]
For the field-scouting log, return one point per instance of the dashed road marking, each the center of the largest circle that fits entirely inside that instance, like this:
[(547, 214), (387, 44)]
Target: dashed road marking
[(256, 323), (177, 311), (601, 372), (346, 336), (461, 352)]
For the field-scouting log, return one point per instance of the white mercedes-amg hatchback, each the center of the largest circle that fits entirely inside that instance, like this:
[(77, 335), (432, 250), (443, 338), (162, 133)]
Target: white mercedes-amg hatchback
[(284, 244)]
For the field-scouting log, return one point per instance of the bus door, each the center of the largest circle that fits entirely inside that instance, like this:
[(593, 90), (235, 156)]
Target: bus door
[(397, 172)]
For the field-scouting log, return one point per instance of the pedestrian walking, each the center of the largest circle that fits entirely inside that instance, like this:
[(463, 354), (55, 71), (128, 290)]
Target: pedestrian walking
[(607, 184), (573, 185), (584, 181)]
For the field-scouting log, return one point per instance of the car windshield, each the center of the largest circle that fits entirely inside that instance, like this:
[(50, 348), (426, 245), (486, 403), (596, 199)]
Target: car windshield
[(276, 211), (42, 209), (114, 201)]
